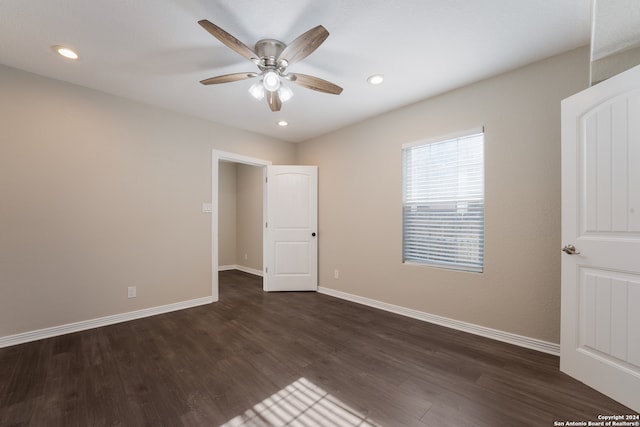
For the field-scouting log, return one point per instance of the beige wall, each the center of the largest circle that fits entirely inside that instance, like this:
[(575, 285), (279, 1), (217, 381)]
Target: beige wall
[(360, 201), (99, 193), (227, 204), (240, 216), (249, 213)]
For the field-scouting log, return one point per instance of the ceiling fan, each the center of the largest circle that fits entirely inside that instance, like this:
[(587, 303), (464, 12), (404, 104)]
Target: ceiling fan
[(272, 58)]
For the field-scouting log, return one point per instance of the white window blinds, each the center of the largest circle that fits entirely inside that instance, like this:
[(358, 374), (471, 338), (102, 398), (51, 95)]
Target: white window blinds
[(443, 202)]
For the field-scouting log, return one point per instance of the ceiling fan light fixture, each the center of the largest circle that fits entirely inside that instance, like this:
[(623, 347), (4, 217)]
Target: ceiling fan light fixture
[(285, 93), (273, 58), (271, 81), (257, 90)]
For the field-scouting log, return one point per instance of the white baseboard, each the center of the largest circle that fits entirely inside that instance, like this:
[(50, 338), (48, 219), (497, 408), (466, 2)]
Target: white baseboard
[(519, 340), (102, 321), (240, 268)]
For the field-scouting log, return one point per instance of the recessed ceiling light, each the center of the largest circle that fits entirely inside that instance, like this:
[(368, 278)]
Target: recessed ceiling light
[(65, 51), (283, 123), (376, 79)]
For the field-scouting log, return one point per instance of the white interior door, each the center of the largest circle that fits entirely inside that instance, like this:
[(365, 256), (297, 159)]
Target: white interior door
[(600, 332), (291, 242)]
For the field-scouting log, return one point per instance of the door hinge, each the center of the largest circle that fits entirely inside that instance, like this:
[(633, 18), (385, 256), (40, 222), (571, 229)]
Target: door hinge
[(266, 225), (266, 269)]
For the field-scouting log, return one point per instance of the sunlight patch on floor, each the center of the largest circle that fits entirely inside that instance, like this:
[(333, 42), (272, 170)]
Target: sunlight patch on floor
[(304, 404)]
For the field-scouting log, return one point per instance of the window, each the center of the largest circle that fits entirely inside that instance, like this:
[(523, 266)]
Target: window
[(443, 202)]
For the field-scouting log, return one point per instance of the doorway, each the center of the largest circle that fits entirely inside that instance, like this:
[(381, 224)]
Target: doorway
[(240, 218), (223, 158)]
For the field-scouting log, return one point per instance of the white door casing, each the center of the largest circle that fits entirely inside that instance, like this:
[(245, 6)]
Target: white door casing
[(600, 320), (291, 241)]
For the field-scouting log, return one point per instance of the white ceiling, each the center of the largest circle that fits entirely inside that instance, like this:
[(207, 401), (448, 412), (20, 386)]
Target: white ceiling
[(154, 51), (616, 27)]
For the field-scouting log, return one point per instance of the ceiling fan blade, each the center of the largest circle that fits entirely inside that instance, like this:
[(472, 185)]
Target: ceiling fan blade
[(304, 45), (227, 78), (229, 40), (274, 101), (315, 83)]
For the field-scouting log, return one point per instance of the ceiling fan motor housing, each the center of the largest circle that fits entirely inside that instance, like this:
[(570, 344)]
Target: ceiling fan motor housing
[(268, 50)]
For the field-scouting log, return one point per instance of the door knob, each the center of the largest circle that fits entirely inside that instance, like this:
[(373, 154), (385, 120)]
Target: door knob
[(570, 249), (313, 234)]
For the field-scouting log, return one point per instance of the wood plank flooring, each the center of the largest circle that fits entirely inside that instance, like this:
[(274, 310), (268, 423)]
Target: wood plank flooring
[(299, 359)]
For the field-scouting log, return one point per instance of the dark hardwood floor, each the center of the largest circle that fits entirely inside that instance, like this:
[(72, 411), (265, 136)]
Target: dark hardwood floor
[(302, 359)]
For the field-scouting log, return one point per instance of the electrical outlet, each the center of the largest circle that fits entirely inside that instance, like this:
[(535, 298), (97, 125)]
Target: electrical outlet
[(336, 274), (131, 292)]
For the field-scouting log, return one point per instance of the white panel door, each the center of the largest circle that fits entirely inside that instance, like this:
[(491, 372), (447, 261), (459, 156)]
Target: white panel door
[(291, 249), (600, 331)]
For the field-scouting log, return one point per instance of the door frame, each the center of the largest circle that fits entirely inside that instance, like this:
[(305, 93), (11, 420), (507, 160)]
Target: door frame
[(216, 157)]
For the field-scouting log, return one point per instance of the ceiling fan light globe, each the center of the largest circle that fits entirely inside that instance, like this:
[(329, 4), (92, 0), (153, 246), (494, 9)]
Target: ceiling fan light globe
[(257, 90), (285, 93), (271, 81)]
